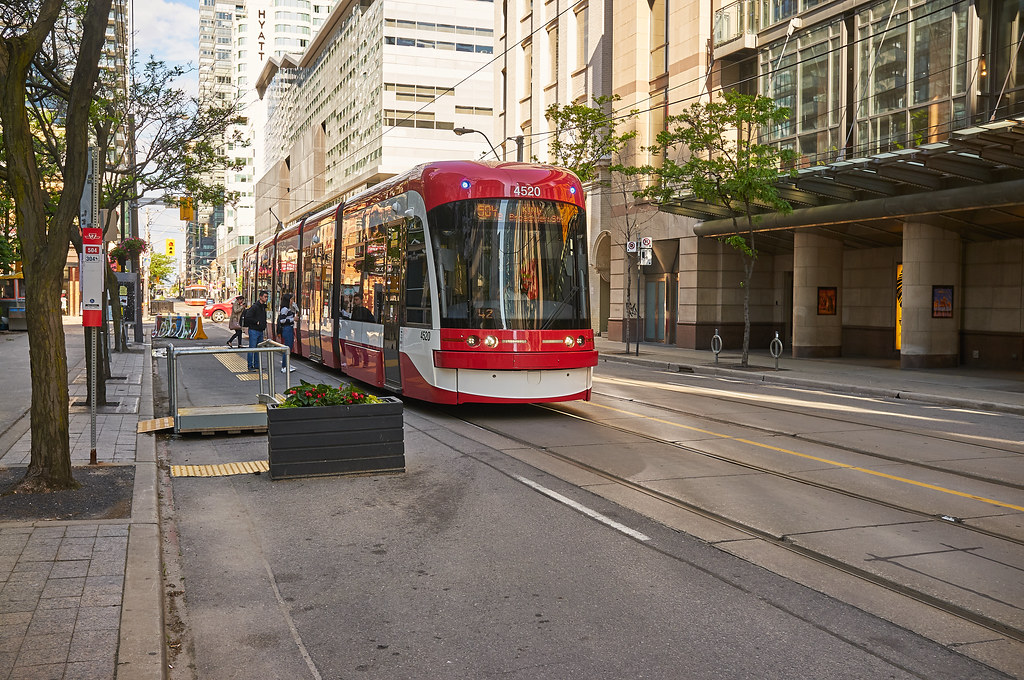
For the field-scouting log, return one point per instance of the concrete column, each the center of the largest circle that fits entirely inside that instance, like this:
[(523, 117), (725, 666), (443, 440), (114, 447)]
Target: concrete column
[(931, 257), (817, 264)]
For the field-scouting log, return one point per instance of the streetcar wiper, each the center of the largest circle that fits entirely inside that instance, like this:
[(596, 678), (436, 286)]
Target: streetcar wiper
[(561, 303)]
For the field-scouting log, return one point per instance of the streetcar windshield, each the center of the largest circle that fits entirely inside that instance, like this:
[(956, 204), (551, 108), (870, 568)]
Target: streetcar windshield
[(510, 264)]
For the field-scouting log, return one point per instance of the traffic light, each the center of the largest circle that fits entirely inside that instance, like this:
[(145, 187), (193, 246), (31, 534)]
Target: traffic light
[(186, 209), (170, 247)]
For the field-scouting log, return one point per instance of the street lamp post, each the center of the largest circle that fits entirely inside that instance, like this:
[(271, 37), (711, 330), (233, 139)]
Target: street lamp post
[(465, 131), (518, 139)]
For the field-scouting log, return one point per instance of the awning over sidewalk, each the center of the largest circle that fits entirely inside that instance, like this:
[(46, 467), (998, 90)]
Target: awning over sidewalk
[(973, 184)]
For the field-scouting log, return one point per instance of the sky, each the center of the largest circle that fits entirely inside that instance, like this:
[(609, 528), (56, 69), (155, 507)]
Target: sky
[(168, 31)]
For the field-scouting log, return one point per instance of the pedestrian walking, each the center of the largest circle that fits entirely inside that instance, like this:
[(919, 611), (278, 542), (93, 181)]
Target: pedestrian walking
[(256, 322), (286, 326), (235, 321)]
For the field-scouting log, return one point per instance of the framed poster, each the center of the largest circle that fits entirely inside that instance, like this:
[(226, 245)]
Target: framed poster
[(942, 302), (826, 301)]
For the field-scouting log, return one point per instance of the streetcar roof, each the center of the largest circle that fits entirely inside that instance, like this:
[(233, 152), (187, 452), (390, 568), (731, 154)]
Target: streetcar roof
[(438, 182)]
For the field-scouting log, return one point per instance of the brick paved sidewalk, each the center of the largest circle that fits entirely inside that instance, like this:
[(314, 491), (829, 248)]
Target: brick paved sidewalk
[(81, 599)]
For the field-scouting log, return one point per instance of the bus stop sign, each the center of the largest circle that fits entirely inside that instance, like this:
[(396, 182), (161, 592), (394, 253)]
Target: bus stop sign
[(91, 260)]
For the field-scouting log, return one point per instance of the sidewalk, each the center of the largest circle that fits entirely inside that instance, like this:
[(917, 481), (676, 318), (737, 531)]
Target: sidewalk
[(81, 598), (978, 389)]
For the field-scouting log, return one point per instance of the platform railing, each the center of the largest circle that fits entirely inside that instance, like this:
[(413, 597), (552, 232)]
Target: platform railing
[(267, 347)]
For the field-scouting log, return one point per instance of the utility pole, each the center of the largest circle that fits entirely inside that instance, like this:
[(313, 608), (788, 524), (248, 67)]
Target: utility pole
[(135, 231)]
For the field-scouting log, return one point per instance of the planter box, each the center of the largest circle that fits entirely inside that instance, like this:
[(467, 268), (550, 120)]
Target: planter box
[(336, 440)]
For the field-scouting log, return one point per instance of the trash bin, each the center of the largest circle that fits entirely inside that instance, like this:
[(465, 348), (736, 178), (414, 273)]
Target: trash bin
[(16, 320)]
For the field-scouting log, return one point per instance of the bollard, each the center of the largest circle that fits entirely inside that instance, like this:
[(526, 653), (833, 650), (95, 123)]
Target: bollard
[(716, 345), (775, 347)]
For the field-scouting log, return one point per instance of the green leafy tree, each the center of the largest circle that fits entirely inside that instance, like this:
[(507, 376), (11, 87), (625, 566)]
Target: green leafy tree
[(161, 267), (713, 152), (47, 206), (585, 137)]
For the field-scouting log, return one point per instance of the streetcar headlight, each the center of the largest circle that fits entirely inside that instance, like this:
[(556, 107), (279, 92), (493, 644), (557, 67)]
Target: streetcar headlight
[(569, 342), (581, 340), (491, 341), (472, 341)]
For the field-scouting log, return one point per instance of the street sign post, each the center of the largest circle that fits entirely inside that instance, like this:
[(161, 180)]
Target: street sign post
[(91, 259), (91, 262)]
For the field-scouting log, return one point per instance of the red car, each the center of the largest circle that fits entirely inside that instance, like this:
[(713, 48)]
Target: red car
[(218, 311)]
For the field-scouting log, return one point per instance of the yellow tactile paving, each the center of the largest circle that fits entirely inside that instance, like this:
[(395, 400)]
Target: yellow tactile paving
[(244, 468), (155, 425), (236, 363)]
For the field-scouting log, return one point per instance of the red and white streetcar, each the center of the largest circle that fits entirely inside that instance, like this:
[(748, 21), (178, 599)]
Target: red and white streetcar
[(455, 282)]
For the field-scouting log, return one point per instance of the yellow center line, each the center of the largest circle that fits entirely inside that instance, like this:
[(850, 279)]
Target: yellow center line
[(875, 473)]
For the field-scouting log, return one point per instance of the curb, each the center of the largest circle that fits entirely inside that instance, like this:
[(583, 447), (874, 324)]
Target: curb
[(141, 649), (770, 376)]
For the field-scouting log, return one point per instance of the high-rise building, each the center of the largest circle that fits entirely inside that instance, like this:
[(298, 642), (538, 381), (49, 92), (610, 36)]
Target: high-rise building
[(381, 88), (243, 36)]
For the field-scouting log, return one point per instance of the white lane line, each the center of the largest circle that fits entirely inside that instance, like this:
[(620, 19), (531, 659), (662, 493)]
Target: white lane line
[(584, 509)]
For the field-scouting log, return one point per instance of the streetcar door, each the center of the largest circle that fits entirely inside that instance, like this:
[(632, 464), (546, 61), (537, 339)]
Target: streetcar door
[(394, 275), (314, 310)]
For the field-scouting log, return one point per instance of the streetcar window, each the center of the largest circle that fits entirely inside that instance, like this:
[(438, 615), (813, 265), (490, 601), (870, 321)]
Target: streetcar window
[(417, 279), (511, 263)]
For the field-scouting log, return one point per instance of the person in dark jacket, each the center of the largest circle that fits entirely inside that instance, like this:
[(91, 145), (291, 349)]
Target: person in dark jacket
[(286, 327), (256, 322)]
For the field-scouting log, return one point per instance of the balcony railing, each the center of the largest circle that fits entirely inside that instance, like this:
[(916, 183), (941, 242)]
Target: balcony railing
[(736, 20), (748, 17)]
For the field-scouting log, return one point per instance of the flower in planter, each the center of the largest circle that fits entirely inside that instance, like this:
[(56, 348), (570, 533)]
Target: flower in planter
[(119, 252), (308, 394), (134, 246)]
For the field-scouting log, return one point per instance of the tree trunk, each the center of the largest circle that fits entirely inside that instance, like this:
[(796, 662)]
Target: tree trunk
[(50, 464), (44, 230), (748, 270)]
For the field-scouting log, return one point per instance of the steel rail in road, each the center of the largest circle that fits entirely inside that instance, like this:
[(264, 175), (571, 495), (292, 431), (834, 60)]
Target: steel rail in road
[(933, 601), (746, 401)]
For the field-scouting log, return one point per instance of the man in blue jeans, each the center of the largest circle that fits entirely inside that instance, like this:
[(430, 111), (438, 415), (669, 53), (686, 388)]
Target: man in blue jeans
[(256, 322)]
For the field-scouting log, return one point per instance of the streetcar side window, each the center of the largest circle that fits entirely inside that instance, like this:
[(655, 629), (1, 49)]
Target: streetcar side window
[(417, 282)]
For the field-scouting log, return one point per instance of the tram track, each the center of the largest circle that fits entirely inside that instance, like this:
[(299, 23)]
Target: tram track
[(786, 476), (781, 541), (831, 444)]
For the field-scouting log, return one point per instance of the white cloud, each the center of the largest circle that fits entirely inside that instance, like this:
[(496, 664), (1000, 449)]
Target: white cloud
[(167, 30)]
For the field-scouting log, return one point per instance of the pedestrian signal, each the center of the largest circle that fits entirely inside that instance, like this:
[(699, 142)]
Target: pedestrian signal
[(170, 247), (186, 209)]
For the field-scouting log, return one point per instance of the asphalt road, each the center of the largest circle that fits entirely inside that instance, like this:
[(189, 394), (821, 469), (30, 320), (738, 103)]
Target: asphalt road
[(472, 565)]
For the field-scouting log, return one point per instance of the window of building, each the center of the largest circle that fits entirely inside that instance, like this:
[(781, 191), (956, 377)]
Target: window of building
[(582, 48), (656, 122), (659, 37), (804, 76), (553, 53), (911, 91), (527, 68)]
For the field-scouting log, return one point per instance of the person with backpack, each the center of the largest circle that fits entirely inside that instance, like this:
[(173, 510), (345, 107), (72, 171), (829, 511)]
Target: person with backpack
[(235, 321), (286, 327), (255, 319)]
